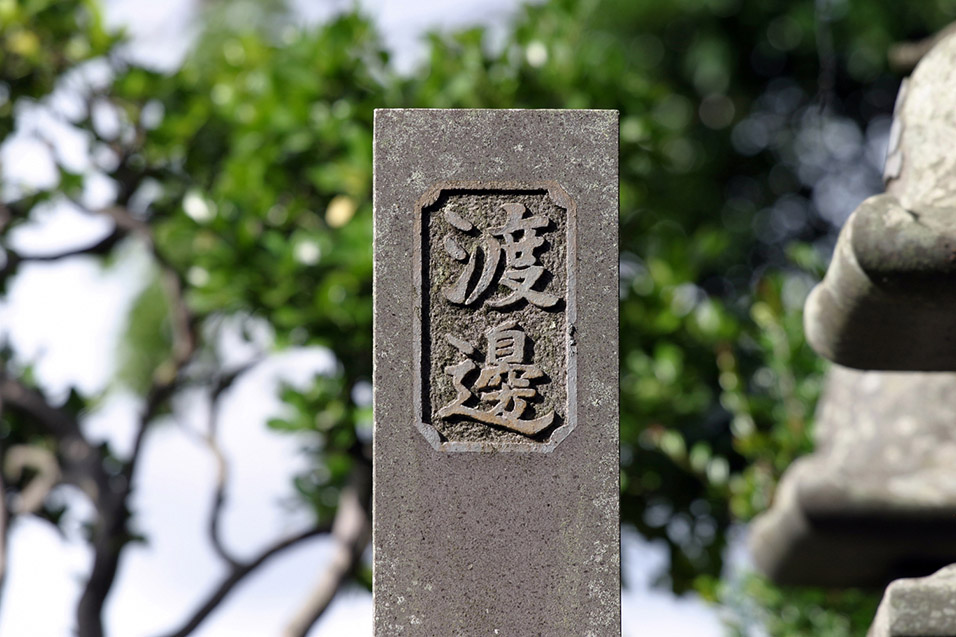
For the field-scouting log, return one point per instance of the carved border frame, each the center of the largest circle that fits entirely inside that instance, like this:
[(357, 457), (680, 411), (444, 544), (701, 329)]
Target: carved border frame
[(563, 200)]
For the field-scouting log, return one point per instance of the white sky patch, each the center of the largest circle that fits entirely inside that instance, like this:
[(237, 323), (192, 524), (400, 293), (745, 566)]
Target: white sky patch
[(266, 604), (106, 120), (160, 33), (264, 460), (99, 190), (27, 165), (66, 316), (71, 145), (72, 229), (160, 580), (40, 594), (647, 610), (402, 23), (114, 421), (242, 340)]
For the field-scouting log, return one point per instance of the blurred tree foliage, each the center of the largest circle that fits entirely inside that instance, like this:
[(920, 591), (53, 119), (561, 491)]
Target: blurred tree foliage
[(246, 175)]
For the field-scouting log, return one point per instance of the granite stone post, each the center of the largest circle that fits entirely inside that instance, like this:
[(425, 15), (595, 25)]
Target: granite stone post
[(496, 373)]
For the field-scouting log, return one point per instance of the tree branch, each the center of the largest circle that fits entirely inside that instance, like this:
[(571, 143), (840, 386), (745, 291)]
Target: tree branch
[(185, 337), (83, 467), (111, 534), (237, 574), (14, 258), (214, 526), (34, 494), (4, 523), (351, 532), (109, 493), (17, 396), (101, 247), (81, 462)]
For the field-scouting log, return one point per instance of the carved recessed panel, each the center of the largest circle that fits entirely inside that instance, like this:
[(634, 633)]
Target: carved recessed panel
[(495, 341)]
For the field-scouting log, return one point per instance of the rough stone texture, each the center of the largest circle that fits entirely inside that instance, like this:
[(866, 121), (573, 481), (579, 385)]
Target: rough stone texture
[(888, 300), (877, 499), (922, 607), (469, 540)]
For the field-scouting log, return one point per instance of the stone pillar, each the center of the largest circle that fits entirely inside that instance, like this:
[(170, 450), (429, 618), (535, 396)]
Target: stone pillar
[(496, 373)]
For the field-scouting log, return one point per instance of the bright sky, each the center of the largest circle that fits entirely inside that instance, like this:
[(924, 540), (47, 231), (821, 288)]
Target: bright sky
[(67, 317)]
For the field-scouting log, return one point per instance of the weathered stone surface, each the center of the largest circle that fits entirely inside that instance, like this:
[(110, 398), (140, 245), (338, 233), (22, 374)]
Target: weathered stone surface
[(888, 300), (877, 499), (496, 373), (921, 607)]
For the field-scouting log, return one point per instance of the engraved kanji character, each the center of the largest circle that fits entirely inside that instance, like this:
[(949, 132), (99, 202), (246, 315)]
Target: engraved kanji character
[(521, 270), (505, 380)]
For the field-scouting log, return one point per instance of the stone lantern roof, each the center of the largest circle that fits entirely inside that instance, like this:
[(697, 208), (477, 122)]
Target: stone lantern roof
[(888, 300)]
